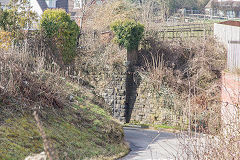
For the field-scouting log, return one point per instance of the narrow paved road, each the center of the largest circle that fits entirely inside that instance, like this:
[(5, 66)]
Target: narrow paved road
[(150, 145)]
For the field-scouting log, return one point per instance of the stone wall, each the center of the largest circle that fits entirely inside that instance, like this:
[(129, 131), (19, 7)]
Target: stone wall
[(110, 83), (115, 95), (133, 98), (155, 106)]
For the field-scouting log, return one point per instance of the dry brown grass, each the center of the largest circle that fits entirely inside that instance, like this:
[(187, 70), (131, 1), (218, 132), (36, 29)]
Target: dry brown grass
[(19, 80), (26, 85), (99, 17), (192, 70), (224, 145), (156, 70)]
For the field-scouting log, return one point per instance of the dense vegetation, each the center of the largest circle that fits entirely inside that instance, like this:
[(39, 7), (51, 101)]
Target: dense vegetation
[(76, 124), (16, 18), (58, 26), (180, 75), (176, 71), (128, 33)]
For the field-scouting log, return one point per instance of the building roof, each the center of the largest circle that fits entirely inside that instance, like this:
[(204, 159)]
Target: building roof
[(231, 23), (209, 4), (42, 4), (223, 3), (59, 4), (62, 4), (4, 2), (227, 3)]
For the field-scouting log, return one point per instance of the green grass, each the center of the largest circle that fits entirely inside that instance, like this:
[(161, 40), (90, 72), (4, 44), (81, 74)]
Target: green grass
[(165, 127), (80, 131), (77, 134), (19, 136)]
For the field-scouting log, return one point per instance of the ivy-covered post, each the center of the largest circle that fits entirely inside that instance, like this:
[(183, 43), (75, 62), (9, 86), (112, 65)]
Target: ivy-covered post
[(128, 34)]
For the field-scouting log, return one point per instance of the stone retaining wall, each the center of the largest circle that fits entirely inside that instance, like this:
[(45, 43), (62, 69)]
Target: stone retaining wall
[(155, 106), (133, 98), (115, 96)]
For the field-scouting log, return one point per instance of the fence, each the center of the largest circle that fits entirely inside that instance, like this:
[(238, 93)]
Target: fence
[(233, 56), (228, 33), (197, 16), (184, 31)]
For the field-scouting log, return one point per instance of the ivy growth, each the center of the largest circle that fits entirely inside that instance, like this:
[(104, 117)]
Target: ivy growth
[(128, 33), (57, 25)]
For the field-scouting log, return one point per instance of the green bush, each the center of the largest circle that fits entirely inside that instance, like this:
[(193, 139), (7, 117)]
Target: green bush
[(57, 25), (15, 18), (128, 33)]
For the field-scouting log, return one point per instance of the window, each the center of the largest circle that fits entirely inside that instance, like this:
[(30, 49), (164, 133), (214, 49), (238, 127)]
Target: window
[(79, 3), (99, 1), (51, 3), (231, 14)]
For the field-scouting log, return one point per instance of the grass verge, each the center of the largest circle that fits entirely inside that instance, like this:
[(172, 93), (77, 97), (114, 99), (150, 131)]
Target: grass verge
[(80, 130)]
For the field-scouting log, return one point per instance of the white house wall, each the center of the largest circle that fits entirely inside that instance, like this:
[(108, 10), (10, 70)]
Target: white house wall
[(36, 7)]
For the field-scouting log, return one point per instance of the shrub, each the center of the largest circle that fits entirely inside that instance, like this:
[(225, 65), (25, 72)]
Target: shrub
[(5, 40), (128, 33), (15, 18), (57, 25)]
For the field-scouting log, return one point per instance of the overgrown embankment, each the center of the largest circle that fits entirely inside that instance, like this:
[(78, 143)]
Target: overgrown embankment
[(76, 123), (180, 79), (176, 80)]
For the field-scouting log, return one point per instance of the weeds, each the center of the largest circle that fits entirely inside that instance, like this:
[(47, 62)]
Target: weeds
[(67, 130)]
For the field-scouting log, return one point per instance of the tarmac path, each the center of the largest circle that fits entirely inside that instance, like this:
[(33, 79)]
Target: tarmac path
[(150, 144)]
